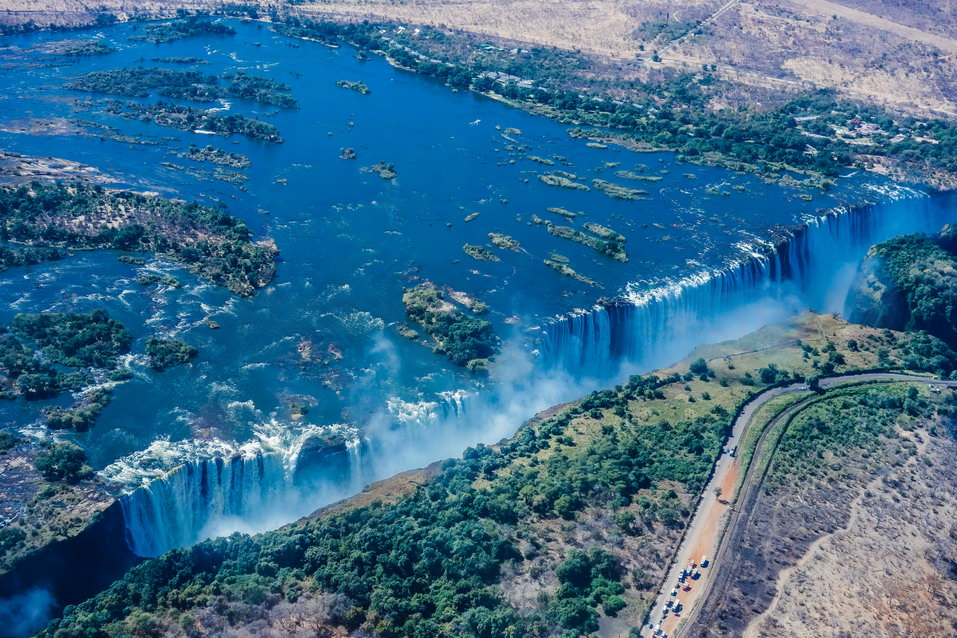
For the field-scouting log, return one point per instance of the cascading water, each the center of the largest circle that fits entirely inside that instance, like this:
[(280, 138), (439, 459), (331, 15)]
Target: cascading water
[(179, 493), (811, 266), (218, 487)]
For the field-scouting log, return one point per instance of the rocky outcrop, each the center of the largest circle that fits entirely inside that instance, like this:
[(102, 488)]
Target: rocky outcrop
[(874, 300), (909, 283)]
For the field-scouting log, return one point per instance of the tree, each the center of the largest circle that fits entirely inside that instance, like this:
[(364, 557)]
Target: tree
[(63, 461)]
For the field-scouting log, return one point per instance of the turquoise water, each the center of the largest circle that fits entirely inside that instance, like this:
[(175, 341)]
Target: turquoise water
[(351, 241)]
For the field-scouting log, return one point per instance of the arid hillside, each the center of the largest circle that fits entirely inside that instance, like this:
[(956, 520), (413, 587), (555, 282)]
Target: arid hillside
[(901, 54)]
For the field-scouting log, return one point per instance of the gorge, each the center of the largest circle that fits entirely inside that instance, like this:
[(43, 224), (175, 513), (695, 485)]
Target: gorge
[(306, 387)]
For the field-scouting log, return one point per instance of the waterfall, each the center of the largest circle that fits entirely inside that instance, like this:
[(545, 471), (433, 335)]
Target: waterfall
[(176, 494), (807, 266)]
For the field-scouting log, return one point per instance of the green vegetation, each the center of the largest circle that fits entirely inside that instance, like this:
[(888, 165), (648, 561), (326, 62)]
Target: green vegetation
[(8, 441), (564, 212), (211, 243), (78, 48), (637, 176), (910, 283), (77, 340), (385, 170), (856, 421), (665, 29), (479, 252), (183, 60), (815, 132), (608, 242), (617, 190), (462, 338), (188, 85), (187, 118), (562, 268), (165, 353), (553, 179), (358, 87), (216, 156), (63, 461), (152, 278), (28, 376), (11, 256), (505, 242), (440, 556), (80, 417), (541, 160), (179, 29)]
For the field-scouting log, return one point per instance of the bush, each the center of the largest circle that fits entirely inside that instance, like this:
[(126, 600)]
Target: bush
[(165, 353), (613, 605), (8, 440), (63, 461)]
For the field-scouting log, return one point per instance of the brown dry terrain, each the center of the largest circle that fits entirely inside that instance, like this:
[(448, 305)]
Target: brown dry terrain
[(864, 544), (16, 169), (890, 565), (901, 54)]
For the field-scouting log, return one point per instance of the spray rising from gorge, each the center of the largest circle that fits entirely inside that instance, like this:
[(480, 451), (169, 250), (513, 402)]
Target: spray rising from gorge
[(193, 490)]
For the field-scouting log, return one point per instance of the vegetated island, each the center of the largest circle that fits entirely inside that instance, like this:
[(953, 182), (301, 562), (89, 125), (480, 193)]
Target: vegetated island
[(505, 242), (216, 156), (617, 190), (166, 353), (187, 118), (480, 253), (562, 180), (580, 511), (45, 354), (564, 212), (179, 29), (358, 87), (188, 85), (465, 339), (386, 170), (625, 174), (559, 263), (50, 493), (180, 60), (211, 243), (604, 240), (78, 48), (87, 343)]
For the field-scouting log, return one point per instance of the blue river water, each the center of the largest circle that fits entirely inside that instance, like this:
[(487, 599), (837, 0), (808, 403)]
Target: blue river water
[(350, 242)]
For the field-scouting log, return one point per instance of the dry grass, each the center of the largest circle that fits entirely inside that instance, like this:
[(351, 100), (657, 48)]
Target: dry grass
[(899, 54), (884, 572)]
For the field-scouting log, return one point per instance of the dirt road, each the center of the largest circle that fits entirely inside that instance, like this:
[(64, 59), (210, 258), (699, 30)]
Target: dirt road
[(717, 524)]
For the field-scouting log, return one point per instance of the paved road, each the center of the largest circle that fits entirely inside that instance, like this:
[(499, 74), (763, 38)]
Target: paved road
[(716, 525)]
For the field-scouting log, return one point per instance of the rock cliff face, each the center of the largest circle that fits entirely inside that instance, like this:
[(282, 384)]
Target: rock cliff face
[(872, 299), (909, 283)]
